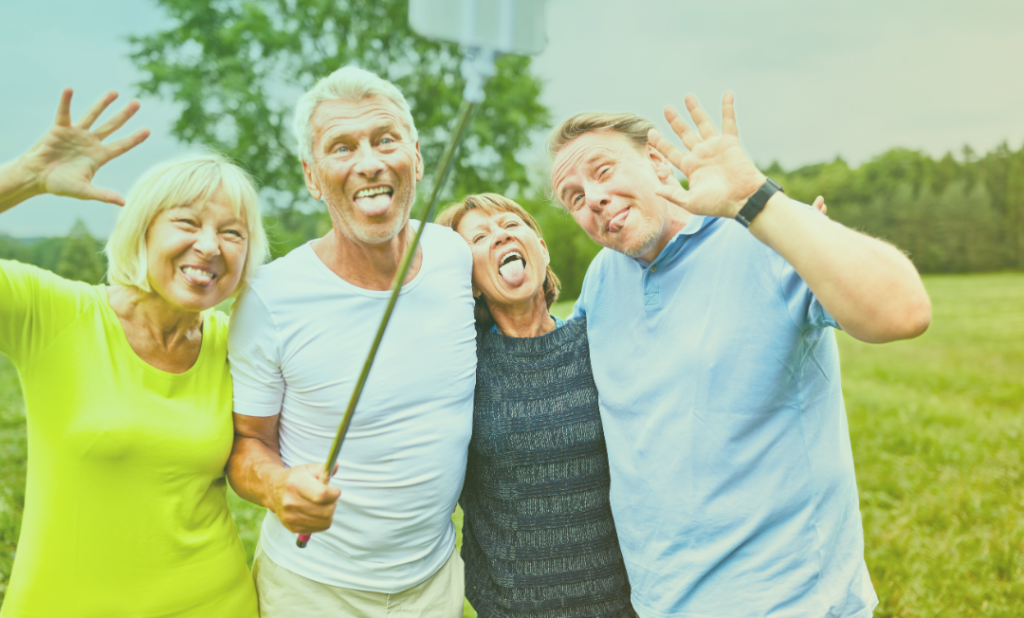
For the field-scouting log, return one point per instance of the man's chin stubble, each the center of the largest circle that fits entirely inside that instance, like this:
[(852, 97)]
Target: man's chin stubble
[(358, 232), (643, 245)]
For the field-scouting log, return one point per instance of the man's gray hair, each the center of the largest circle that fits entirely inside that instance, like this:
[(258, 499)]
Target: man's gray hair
[(349, 83)]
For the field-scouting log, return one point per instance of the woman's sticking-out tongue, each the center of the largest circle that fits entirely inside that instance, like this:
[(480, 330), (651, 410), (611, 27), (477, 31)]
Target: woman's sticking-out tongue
[(513, 272)]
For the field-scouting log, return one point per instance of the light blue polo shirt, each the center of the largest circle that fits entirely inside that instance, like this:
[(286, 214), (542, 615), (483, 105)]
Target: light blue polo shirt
[(732, 480)]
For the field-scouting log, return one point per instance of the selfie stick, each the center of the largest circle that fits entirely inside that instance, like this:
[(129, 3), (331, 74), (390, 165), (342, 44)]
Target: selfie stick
[(477, 66)]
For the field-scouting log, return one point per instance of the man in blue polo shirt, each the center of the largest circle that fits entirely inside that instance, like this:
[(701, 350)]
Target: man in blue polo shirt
[(710, 316)]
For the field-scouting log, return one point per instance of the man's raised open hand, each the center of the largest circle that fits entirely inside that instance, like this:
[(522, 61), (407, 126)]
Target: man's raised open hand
[(721, 175), (65, 160)]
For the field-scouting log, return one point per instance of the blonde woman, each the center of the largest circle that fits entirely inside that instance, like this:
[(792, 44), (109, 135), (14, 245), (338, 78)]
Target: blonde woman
[(127, 388)]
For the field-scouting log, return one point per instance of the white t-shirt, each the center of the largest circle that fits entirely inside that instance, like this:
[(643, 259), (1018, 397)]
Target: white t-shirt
[(297, 343)]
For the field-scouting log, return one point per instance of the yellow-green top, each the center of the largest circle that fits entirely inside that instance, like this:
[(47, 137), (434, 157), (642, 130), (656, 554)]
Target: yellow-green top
[(125, 507)]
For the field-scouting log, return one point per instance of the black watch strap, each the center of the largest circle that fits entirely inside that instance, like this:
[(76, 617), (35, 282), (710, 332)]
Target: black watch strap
[(757, 201)]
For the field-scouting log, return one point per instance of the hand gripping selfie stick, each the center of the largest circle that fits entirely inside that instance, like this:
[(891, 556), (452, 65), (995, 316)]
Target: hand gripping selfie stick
[(484, 28)]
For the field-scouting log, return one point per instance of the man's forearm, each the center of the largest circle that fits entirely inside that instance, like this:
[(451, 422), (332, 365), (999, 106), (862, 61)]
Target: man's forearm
[(254, 470), (871, 289)]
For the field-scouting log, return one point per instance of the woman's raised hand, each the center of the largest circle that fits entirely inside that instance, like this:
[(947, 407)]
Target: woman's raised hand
[(65, 160)]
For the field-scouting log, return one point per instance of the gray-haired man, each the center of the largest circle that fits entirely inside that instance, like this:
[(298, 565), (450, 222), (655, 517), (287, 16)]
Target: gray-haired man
[(298, 340)]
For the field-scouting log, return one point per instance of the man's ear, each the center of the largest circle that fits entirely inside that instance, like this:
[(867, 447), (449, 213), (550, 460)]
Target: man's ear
[(419, 163), (312, 182), (661, 165)]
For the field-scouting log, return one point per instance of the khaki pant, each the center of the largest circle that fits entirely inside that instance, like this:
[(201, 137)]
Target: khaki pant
[(283, 594)]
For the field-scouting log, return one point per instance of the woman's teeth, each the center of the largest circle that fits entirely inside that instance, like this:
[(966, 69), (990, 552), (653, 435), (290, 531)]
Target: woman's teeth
[(200, 276), (512, 268)]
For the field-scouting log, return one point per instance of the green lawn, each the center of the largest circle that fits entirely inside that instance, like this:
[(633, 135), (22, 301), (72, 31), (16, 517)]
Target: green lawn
[(936, 425)]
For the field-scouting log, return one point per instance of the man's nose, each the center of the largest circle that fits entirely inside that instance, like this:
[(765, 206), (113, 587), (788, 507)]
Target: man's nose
[(368, 162), (596, 197)]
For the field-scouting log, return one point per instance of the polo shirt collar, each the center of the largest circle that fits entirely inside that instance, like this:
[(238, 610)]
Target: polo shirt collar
[(694, 225)]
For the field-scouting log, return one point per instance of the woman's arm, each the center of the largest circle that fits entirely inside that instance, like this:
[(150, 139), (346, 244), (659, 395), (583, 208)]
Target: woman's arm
[(64, 161)]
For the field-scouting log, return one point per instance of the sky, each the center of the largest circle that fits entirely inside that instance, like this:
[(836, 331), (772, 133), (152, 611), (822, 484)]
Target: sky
[(813, 80)]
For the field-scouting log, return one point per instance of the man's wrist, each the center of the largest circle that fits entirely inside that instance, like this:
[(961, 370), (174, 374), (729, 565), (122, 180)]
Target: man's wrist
[(278, 487), (756, 202)]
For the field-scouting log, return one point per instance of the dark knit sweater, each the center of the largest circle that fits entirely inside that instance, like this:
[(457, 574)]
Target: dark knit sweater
[(538, 538)]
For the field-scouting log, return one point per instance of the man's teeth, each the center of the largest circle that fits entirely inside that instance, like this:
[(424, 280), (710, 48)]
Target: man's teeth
[(372, 192), (196, 273)]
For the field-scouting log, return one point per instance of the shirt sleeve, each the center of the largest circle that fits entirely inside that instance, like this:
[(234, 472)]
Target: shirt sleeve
[(255, 358), (803, 305), (35, 306)]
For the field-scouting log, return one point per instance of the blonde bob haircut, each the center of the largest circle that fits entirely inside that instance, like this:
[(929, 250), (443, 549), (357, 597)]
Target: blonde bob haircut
[(493, 203), (188, 180)]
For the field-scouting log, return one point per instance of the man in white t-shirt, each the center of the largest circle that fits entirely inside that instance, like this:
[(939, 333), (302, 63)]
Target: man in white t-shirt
[(384, 542)]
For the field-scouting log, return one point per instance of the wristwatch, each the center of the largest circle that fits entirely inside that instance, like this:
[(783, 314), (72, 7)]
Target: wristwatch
[(757, 201)]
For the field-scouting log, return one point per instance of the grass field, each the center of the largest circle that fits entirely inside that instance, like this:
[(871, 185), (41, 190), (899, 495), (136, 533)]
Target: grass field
[(937, 426)]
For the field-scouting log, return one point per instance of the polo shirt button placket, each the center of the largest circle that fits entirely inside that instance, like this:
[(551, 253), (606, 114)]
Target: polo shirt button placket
[(652, 288)]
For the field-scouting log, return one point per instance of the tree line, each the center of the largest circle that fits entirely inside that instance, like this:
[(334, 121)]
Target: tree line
[(951, 215), (76, 256)]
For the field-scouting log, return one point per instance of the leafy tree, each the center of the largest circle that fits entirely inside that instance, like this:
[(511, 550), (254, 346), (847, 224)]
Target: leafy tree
[(950, 215), (80, 256), (238, 66)]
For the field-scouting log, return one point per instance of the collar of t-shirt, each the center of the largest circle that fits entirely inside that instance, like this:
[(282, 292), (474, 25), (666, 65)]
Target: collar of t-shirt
[(559, 322)]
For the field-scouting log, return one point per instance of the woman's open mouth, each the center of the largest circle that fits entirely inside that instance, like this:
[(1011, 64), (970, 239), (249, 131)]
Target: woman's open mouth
[(512, 268), (198, 276)]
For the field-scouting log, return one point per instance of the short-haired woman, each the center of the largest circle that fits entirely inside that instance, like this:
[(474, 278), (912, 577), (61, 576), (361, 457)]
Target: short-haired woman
[(538, 536), (127, 388)]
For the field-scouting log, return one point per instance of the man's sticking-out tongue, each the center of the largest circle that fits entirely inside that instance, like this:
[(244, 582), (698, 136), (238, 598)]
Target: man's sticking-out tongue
[(374, 203), (513, 271)]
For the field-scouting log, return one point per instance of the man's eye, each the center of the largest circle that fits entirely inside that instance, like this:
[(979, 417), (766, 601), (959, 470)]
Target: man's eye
[(387, 140), (341, 149), (603, 171)]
